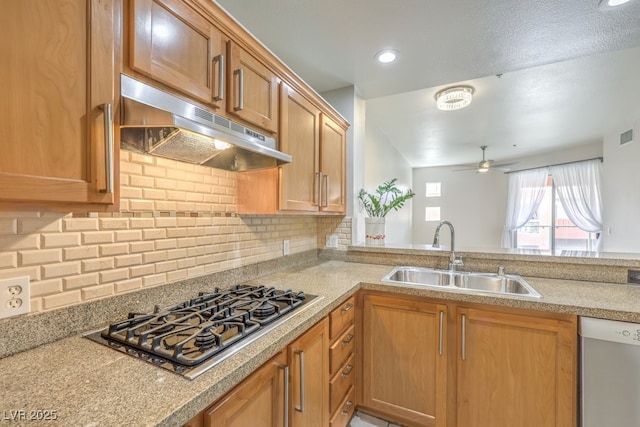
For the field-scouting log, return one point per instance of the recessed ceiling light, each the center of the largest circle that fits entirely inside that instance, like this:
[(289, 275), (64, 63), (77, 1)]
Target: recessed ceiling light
[(610, 4), (454, 98), (387, 56)]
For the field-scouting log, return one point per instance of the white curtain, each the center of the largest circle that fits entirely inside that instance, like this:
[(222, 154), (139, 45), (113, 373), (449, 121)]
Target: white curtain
[(526, 189), (578, 187)]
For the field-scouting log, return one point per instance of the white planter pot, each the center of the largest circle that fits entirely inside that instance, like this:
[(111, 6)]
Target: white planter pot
[(374, 231)]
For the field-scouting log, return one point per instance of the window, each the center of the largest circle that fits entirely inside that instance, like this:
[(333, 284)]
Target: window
[(433, 189), (432, 213), (550, 228)]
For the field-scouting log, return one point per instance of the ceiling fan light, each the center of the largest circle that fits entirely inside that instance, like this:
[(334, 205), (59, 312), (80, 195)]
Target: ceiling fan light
[(483, 169), (454, 98)]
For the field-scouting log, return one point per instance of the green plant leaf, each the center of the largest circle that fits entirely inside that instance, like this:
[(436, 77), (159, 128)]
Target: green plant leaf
[(387, 197)]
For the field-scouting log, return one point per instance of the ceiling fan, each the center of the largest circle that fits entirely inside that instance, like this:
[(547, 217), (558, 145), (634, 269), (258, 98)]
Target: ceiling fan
[(486, 165)]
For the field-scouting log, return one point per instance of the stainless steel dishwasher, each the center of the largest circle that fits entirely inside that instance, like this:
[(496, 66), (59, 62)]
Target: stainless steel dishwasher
[(610, 373)]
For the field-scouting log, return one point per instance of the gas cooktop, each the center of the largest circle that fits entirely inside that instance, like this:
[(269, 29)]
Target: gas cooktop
[(191, 337)]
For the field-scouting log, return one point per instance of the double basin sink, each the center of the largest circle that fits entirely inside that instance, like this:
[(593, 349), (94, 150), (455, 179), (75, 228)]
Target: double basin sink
[(504, 284)]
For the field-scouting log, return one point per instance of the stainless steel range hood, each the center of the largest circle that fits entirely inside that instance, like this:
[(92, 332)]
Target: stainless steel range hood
[(160, 124)]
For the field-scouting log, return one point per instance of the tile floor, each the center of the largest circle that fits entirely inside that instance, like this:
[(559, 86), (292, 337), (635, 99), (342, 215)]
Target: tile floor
[(361, 419)]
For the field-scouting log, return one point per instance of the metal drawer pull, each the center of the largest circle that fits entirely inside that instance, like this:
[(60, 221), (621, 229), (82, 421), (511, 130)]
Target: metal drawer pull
[(319, 174), (464, 337), (347, 339), (286, 394), (347, 404), (108, 136), (326, 191), (440, 338), (240, 73), (347, 307), (347, 371), (220, 59), (301, 407)]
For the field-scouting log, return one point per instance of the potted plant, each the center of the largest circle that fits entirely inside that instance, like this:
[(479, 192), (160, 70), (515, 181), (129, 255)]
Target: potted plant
[(377, 205)]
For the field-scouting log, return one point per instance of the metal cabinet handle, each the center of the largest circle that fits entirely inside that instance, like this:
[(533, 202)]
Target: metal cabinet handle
[(108, 136), (319, 174), (347, 339), (347, 371), (347, 404), (286, 394), (240, 72), (464, 337), (301, 407), (440, 334), (221, 67), (347, 307), (326, 191)]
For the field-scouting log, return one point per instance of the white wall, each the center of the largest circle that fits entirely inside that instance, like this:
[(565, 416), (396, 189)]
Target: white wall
[(382, 162), (621, 193), (475, 203)]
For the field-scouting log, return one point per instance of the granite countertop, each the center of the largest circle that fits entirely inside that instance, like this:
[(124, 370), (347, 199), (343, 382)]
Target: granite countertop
[(104, 387)]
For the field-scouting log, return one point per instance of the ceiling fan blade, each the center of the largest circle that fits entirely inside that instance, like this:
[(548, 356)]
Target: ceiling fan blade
[(465, 169), (504, 166)]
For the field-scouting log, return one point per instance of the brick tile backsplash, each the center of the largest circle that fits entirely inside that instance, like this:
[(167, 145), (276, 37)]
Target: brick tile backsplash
[(176, 221)]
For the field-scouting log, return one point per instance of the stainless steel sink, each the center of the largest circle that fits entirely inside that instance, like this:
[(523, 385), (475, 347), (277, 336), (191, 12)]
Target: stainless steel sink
[(507, 284)]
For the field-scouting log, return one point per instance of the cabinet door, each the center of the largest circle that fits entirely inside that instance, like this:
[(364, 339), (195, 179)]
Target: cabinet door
[(58, 69), (253, 89), (404, 359), (516, 370), (257, 402), (173, 44), (309, 386), (333, 148), (299, 137)]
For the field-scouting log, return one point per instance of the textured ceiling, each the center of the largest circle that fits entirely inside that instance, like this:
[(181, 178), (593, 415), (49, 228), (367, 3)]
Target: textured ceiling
[(331, 44)]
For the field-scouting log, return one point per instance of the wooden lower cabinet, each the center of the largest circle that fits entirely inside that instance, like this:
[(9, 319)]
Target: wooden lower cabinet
[(516, 369), (268, 398), (257, 402), (309, 377), (404, 359), (482, 366)]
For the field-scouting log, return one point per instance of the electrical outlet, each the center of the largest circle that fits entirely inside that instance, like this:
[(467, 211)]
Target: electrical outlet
[(633, 276), (285, 247), (14, 296), (331, 241)]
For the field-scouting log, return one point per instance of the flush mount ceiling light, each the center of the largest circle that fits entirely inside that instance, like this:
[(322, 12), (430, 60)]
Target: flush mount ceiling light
[(454, 98), (386, 56), (611, 4)]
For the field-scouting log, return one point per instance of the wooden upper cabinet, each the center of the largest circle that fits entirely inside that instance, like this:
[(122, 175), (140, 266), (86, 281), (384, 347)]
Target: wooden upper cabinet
[(404, 359), (58, 72), (253, 89), (258, 400), (516, 369), (172, 43), (315, 181), (332, 166), (299, 137)]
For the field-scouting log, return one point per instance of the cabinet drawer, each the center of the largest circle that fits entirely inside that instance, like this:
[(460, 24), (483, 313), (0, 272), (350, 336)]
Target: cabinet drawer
[(341, 349), (345, 411), (340, 384), (341, 317)]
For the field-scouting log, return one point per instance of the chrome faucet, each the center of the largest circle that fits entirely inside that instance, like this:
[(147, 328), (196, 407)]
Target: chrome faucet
[(453, 261)]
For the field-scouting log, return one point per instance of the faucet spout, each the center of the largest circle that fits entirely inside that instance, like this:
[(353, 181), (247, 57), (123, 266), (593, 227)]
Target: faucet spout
[(453, 260)]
